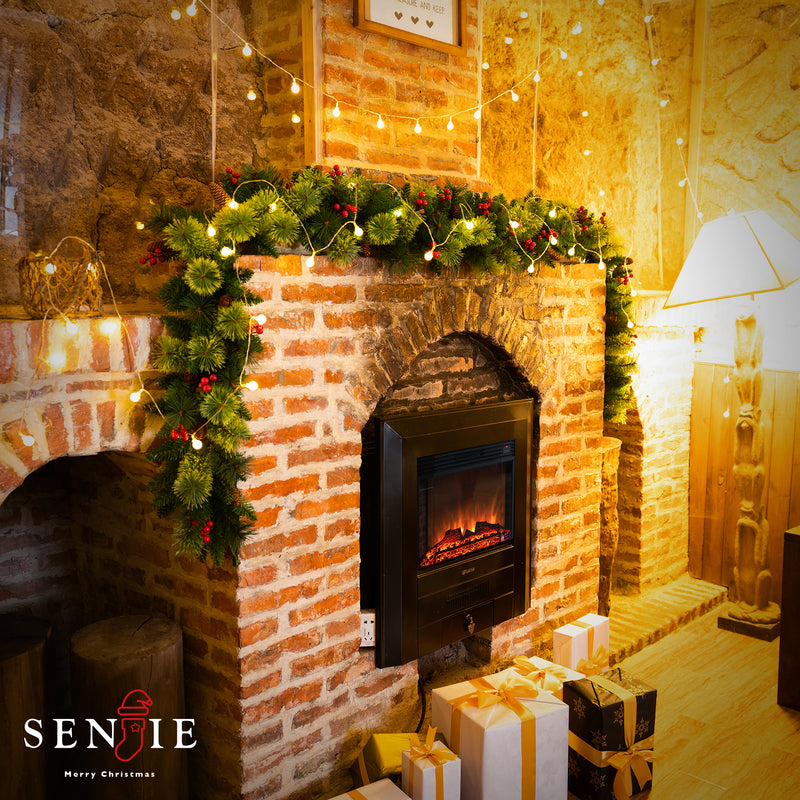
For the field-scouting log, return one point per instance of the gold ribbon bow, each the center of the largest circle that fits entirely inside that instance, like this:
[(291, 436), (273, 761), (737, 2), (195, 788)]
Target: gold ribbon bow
[(549, 678), (632, 761), (509, 694), (598, 659), (594, 665), (438, 757)]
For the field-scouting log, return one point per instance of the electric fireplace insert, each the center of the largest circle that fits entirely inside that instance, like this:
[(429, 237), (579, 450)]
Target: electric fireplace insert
[(445, 520)]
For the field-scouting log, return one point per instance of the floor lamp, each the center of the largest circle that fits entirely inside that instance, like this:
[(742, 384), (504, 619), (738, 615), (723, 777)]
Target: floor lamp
[(741, 255)]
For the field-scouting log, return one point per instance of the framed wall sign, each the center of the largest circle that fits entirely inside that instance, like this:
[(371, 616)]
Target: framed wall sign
[(438, 24)]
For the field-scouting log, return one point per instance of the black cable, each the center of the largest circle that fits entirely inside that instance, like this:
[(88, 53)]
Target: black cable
[(421, 692)]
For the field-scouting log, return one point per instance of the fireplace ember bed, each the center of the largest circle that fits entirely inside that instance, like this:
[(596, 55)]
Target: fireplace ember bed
[(445, 524)]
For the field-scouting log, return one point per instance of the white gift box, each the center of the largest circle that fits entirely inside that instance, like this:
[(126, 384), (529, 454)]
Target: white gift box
[(380, 790), (489, 738), (420, 781), (570, 645), (545, 674)]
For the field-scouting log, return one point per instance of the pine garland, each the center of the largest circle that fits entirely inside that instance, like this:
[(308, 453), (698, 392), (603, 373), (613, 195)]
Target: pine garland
[(210, 338)]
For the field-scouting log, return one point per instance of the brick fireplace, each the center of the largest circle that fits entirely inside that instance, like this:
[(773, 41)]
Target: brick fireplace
[(282, 692)]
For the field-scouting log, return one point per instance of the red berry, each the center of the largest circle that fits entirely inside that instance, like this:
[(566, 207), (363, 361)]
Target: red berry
[(185, 436), (161, 259), (206, 539), (175, 434), (210, 523), (204, 379), (235, 174), (260, 329), (424, 202), (212, 377), (234, 180), (195, 523), (206, 387), (345, 213), (336, 206), (142, 260), (228, 170), (421, 194)]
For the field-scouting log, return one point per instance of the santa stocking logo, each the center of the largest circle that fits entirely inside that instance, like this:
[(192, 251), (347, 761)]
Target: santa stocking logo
[(133, 717)]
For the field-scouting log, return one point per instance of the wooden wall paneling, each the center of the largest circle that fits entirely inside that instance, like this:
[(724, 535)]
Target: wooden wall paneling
[(719, 484), (730, 499), (780, 472), (794, 493), (698, 465)]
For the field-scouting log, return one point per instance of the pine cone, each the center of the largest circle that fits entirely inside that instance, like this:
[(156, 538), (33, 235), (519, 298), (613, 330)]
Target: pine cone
[(225, 301), (218, 194)]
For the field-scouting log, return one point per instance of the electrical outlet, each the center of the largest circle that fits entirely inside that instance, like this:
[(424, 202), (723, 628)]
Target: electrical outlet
[(368, 629)]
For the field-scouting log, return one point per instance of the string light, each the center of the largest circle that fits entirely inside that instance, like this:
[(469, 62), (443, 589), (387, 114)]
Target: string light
[(398, 212), (514, 96), (336, 111), (469, 224), (196, 443), (358, 231), (28, 440), (295, 118), (309, 263), (247, 51), (136, 396), (509, 40), (584, 113), (602, 264), (536, 76), (553, 240), (251, 95), (587, 152), (260, 319), (562, 54), (211, 231), (571, 251), (450, 125), (251, 385), (57, 359), (226, 251), (191, 10), (551, 213), (514, 224), (662, 103), (531, 268), (109, 326), (418, 128), (295, 86), (630, 323), (70, 326), (380, 123), (175, 14), (232, 203), (576, 30), (50, 268), (485, 65), (477, 113), (429, 255), (139, 226)]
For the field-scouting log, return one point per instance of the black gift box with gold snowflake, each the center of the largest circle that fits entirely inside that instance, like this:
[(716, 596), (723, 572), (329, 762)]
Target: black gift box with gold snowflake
[(612, 719)]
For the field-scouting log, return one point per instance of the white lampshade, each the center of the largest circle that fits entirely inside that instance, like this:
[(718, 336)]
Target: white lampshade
[(735, 256)]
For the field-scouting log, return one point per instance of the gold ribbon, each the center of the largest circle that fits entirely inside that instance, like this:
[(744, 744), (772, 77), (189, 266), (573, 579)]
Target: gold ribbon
[(631, 761), (597, 660), (509, 694), (356, 795), (549, 678), (594, 665), (438, 757)]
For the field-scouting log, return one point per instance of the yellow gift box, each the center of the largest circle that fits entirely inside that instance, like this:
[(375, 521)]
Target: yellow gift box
[(583, 645), (512, 738), (431, 771), (382, 757), (380, 790)]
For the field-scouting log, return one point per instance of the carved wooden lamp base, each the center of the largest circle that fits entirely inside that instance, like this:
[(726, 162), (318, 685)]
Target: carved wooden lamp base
[(766, 631)]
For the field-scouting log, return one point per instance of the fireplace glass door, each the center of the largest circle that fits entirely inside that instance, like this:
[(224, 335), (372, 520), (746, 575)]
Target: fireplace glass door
[(464, 502)]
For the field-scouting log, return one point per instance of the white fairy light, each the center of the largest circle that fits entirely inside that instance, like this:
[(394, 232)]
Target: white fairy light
[(477, 113), (247, 50), (485, 65), (191, 9), (429, 255), (50, 268), (295, 86), (450, 125), (576, 30), (251, 95), (28, 440), (232, 203), (309, 263), (380, 123), (295, 118), (514, 96), (418, 128), (226, 251), (551, 213), (260, 319), (136, 396), (571, 251), (509, 40), (336, 112), (398, 212), (211, 231), (196, 443), (562, 54), (251, 385), (553, 239), (139, 225), (536, 76), (358, 231), (469, 224), (531, 268), (175, 14), (70, 326), (514, 224)]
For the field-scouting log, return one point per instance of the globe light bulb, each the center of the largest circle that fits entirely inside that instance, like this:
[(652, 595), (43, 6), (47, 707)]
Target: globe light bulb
[(295, 118), (211, 231), (571, 251), (450, 125), (310, 261), (57, 359), (477, 114), (429, 255), (139, 225), (587, 152), (336, 111), (514, 96), (226, 251), (28, 440), (380, 123), (191, 10), (398, 212), (261, 319), (358, 231), (509, 40), (232, 203), (553, 240), (251, 95), (247, 50), (196, 443), (50, 268), (634, 293), (175, 14), (418, 128), (531, 267), (469, 224), (135, 396), (662, 103), (536, 76), (251, 385), (109, 326), (273, 206), (551, 213), (514, 224), (602, 264), (562, 54), (295, 86), (630, 323), (584, 113)]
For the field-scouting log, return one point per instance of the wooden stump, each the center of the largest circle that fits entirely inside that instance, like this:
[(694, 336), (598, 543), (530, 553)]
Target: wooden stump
[(23, 770), (117, 666)]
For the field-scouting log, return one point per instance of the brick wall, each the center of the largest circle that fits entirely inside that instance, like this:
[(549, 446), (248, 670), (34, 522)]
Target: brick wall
[(369, 72), (341, 340), (274, 672), (654, 462)]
